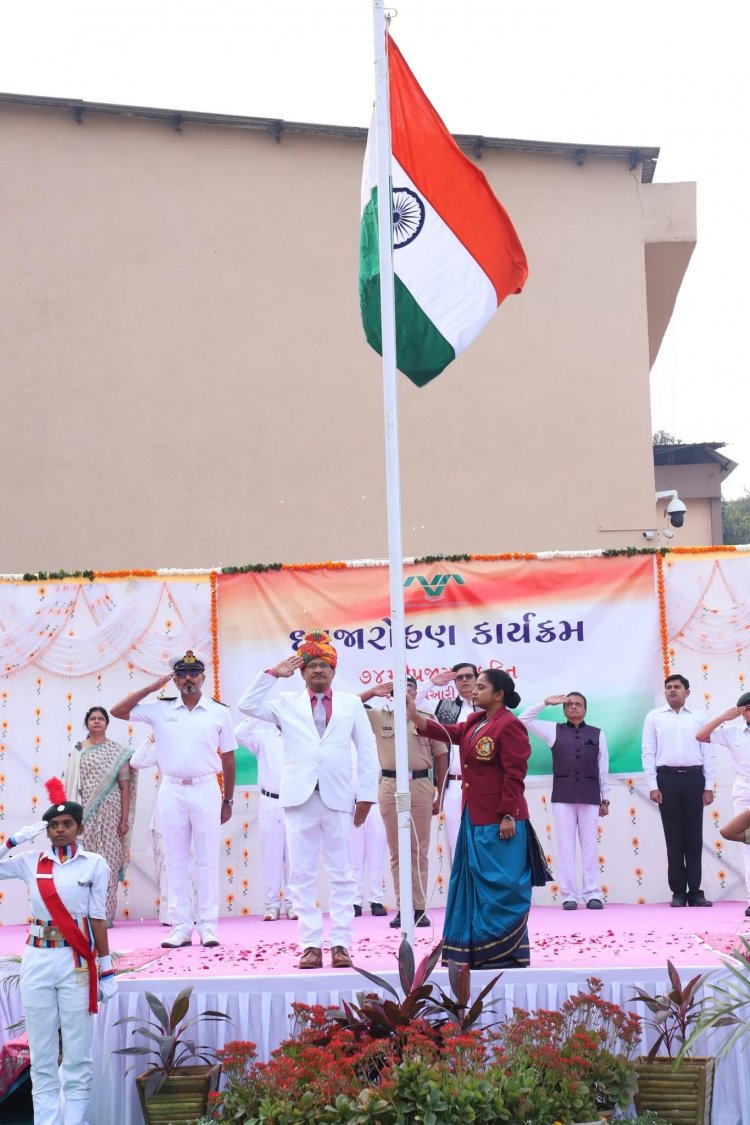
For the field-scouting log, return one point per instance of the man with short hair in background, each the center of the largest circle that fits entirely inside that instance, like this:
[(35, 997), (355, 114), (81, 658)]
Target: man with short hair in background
[(680, 774)]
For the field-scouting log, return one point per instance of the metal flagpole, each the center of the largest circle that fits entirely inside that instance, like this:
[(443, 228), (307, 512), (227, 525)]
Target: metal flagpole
[(393, 488)]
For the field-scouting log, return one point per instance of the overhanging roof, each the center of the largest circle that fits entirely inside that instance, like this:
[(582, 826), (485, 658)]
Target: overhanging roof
[(695, 453), (472, 143)]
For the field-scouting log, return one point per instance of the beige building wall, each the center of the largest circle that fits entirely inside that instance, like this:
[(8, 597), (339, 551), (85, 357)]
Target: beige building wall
[(186, 381)]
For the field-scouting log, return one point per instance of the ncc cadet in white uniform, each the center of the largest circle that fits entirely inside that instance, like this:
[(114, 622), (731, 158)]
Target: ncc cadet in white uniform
[(456, 710), (59, 987), (264, 741), (188, 732), (736, 738)]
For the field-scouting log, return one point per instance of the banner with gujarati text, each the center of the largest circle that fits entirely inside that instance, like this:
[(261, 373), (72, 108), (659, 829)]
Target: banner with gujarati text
[(558, 625)]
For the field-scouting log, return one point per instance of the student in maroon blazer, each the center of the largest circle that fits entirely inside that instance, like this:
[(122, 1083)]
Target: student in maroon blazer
[(489, 897)]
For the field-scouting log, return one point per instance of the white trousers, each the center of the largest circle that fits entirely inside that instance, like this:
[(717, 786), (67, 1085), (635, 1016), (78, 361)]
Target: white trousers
[(274, 851), (310, 827), (368, 847), (741, 799), (573, 821), (54, 995), (191, 815), (452, 812)]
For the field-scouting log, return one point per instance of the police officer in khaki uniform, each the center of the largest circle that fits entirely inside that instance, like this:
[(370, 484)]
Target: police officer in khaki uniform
[(427, 760)]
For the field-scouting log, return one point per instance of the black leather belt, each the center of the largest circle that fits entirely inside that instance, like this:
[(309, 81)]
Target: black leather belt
[(414, 775), (680, 769), (267, 793), (454, 777)]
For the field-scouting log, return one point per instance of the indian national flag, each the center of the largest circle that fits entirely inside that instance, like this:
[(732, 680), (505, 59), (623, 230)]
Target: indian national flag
[(456, 255)]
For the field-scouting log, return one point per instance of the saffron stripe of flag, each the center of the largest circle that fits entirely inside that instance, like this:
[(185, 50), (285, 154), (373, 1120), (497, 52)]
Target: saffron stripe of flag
[(456, 253)]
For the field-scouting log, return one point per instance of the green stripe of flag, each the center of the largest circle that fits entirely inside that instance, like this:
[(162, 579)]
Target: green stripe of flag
[(422, 352)]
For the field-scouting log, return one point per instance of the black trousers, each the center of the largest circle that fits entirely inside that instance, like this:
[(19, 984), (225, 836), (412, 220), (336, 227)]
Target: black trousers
[(681, 811)]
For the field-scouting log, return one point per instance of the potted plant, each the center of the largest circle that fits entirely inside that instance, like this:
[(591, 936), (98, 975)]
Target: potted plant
[(730, 994), (171, 1090), (675, 1085)]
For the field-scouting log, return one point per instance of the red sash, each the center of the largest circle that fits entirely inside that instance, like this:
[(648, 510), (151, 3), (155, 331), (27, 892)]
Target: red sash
[(62, 918)]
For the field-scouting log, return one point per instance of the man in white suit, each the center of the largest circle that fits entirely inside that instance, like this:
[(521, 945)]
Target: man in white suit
[(317, 791)]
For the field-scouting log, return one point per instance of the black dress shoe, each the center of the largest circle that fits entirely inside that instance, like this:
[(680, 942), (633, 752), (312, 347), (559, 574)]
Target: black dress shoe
[(395, 923), (421, 920), (570, 904), (378, 910), (595, 904), (678, 900), (357, 910), (699, 900)]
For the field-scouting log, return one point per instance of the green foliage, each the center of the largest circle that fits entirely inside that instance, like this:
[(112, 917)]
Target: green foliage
[(663, 437), (735, 519), (728, 1005), (419, 1057), (673, 1013), (167, 1032)]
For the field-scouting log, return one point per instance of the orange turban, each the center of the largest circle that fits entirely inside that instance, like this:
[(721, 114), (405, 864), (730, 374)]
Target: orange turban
[(317, 645)]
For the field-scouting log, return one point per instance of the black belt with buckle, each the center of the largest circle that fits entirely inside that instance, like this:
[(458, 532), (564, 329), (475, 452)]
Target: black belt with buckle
[(267, 793), (414, 775), (454, 777), (680, 769)]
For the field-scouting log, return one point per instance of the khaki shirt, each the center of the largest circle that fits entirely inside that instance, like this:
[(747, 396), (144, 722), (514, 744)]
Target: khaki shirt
[(422, 750)]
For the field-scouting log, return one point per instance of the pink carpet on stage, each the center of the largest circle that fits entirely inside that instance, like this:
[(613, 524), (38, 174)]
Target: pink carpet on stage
[(621, 936)]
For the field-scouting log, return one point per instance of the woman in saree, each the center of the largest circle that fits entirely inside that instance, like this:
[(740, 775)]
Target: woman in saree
[(99, 776), (489, 895)]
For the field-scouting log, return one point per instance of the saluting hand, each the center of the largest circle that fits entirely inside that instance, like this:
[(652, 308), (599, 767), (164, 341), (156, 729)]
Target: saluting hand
[(555, 700), (287, 667)]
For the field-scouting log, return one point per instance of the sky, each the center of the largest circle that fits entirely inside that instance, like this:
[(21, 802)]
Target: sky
[(666, 73)]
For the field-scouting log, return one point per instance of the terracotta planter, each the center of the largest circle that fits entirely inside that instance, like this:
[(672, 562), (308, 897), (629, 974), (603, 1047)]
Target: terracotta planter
[(182, 1097), (682, 1097)]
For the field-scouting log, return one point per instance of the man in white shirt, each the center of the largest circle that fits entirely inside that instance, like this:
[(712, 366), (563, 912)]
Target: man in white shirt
[(580, 792), (680, 774), (735, 736), (265, 742), (453, 710), (318, 726), (188, 732)]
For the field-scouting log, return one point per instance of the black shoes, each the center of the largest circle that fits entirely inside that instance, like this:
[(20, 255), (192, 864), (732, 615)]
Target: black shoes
[(678, 900), (699, 900), (595, 904), (378, 910), (420, 920), (357, 910), (570, 904)]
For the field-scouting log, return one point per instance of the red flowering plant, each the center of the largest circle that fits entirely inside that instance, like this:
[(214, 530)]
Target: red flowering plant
[(589, 1041)]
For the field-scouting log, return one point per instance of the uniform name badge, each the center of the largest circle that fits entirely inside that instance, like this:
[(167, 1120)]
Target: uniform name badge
[(485, 748)]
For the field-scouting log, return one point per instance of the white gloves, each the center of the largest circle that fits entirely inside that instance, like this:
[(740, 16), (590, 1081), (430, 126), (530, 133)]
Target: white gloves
[(107, 988), (108, 984), (28, 832)]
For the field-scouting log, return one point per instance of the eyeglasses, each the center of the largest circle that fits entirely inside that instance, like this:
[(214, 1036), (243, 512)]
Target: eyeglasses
[(192, 672), (465, 676)]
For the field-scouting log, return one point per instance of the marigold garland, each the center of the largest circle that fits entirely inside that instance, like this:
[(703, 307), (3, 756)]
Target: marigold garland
[(215, 633), (662, 613), (262, 568)]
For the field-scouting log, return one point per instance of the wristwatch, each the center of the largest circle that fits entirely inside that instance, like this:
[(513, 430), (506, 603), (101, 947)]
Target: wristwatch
[(604, 802), (227, 801)]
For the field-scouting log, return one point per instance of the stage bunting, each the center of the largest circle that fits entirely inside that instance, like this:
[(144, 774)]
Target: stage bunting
[(588, 625)]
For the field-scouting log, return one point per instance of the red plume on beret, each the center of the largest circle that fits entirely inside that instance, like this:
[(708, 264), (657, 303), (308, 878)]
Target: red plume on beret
[(55, 791)]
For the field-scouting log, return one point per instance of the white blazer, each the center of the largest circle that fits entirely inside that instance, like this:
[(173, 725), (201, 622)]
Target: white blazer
[(310, 759)]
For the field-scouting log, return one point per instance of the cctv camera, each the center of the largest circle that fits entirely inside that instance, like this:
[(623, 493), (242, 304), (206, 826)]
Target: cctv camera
[(676, 511)]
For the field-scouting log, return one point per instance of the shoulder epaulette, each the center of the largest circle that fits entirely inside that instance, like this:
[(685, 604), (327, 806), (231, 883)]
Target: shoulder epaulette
[(166, 698)]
